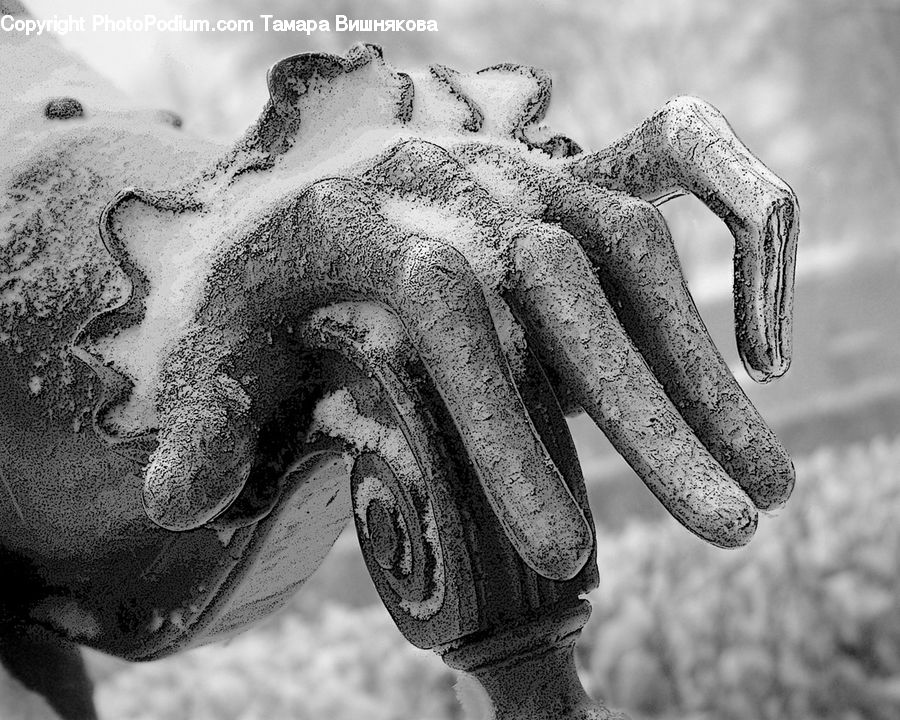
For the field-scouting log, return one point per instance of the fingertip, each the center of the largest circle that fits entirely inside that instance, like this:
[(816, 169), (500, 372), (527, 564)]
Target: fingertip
[(764, 303), (166, 498), (713, 507), (542, 521), (755, 459), (764, 344), (763, 366), (560, 556), (732, 524), (182, 501), (775, 491), (197, 471), (171, 495)]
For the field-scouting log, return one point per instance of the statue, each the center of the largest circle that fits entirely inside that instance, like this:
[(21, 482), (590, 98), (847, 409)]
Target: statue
[(377, 304)]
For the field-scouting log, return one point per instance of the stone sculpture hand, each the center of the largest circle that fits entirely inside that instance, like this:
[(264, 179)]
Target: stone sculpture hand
[(378, 303)]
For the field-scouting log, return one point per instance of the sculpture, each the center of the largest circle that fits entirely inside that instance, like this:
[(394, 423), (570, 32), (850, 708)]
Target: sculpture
[(374, 304)]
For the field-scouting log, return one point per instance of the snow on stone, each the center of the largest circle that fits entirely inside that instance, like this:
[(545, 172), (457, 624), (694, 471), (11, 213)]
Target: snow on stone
[(501, 95), (435, 109), (173, 253), (345, 122), (511, 192), (337, 415), (368, 491), (340, 113), (486, 254), (384, 334)]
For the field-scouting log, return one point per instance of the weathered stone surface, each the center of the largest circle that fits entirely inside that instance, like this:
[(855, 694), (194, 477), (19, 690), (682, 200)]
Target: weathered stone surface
[(370, 306)]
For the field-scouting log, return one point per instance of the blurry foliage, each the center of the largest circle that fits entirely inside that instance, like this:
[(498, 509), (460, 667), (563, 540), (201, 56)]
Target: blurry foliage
[(801, 624), (336, 663)]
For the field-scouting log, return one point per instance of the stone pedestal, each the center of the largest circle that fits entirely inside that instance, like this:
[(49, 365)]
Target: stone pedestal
[(528, 671)]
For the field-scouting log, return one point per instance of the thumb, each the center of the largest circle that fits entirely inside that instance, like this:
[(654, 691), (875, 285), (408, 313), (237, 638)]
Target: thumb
[(207, 443)]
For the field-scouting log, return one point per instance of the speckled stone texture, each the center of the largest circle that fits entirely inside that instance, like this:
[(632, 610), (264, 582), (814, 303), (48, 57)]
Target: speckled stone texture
[(376, 304)]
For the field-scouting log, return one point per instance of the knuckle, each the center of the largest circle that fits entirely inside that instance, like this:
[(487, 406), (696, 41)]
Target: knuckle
[(418, 164), (639, 215), (329, 191), (421, 151), (681, 112), (540, 241), (641, 226), (687, 104), (326, 204), (431, 265), (544, 249)]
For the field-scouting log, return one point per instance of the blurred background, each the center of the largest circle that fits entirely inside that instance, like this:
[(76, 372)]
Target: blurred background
[(803, 623)]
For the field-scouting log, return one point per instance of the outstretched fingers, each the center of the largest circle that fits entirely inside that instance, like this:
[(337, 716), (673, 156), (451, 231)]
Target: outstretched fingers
[(633, 255), (440, 302), (568, 316), (688, 147)]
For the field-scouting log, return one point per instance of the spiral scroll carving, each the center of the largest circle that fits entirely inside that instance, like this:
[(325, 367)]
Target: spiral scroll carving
[(398, 533)]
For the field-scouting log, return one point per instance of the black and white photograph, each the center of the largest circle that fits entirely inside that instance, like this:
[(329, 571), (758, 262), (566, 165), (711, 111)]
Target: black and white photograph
[(449, 360)]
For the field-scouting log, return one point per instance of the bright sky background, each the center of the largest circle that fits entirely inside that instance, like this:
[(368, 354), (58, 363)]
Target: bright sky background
[(122, 56)]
